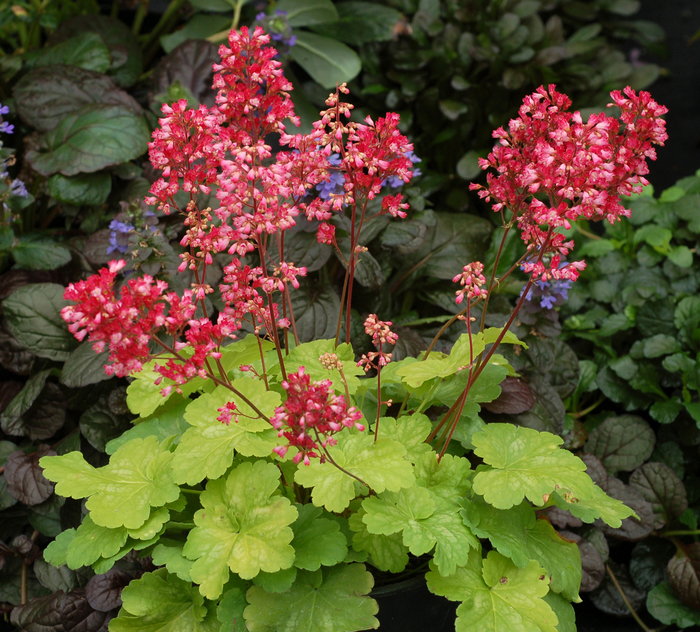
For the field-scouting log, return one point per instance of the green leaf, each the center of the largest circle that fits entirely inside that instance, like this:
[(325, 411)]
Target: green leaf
[(452, 238), (660, 345), (19, 418), (468, 166), (526, 463), (518, 535), (243, 526), (622, 443), (447, 479), (231, 607), (663, 604), (86, 50), (122, 492), (206, 450), (497, 595), (564, 611), (159, 602), (359, 23), (327, 61), (410, 431), (170, 422), (380, 464), (609, 510), (55, 553), (168, 553), (317, 541), (90, 139), (84, 366), (387, 552), (426, 522), (665, 412), (199, 27), (33, 314), (92, 542), (331, 600), (682, 256), (308, 12), (91, 189), (278, 582), (35, 252)]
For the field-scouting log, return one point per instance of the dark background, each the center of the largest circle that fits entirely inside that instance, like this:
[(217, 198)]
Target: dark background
[(679, 90)]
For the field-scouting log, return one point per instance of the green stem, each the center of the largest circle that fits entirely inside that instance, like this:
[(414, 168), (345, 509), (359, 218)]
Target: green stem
[(141, 13), (688, 532), (195, 492)]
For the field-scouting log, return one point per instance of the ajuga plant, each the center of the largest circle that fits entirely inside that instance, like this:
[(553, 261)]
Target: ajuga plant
[(271, 481)]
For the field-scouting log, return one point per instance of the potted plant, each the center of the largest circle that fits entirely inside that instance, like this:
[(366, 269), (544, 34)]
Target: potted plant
[(266, 476)]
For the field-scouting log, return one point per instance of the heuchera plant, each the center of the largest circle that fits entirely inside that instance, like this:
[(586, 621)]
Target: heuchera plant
[(263, 470)]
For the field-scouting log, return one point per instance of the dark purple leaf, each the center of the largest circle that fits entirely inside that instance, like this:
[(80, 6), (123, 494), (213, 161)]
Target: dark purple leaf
[(104, 592), (13, 356), (608, 599), (548, 412), (622, 443), (592, 564), (515, 398), (683, 571), (649, 560), (661, 487), (95, 249), (25, 480), (23, 545), (631, 529), (8, 391), (409, 344), (38, 412), (190, 64), (10, 281), (42, 614), (78, 616), (596, 470), (562, 518)]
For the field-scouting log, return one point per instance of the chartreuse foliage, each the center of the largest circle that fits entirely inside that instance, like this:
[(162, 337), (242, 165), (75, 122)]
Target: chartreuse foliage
[(247, 540)]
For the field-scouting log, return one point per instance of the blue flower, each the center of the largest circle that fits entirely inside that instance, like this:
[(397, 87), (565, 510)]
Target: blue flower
[(394, 181), (119, 237), (4, 109), (6, 128), (18, 188)]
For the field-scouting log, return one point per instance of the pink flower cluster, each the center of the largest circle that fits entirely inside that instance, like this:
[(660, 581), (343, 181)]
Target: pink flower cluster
[(552, 169), (126, 323), (471, 278), (310, 417), (381, 335)]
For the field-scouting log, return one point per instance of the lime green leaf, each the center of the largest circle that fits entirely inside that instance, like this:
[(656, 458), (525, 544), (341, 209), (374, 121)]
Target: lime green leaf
[(308, 354), (609, 510), (410, 431), (161, 602), (328, 600), (246, 351), (55, 553), (526, 463), (152, 526), (448, 479), (91, 542), (207, 449), (498, 596), (317, 541), (168, 553), (518, 535), (426, 521), (242, 526), (122, 492), (381, 464), (388, 552)]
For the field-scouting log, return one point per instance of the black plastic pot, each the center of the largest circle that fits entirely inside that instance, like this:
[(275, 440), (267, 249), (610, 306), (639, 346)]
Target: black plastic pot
[(409, 606)]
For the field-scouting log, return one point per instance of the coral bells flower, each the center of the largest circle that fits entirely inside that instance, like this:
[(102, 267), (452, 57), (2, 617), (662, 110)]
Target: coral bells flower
[(381, 335), (311, 415), (472, 279), (552, 168)]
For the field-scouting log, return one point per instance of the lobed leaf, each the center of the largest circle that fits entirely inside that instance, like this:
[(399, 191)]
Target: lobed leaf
[(526, 463), (243, 526), (328, 600), (122, 492)]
